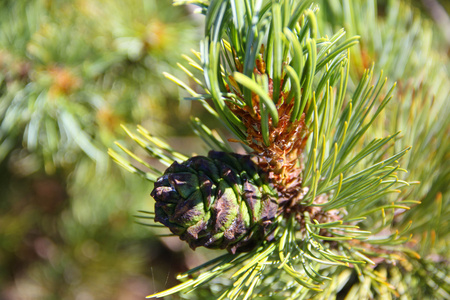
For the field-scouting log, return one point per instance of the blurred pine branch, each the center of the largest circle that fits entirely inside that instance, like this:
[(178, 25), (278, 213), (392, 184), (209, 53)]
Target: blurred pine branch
[(70, 73)]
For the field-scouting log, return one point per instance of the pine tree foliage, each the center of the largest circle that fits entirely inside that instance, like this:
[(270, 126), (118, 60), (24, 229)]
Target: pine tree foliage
[(266, 72), (409, 49), (64, 92), (68, 73), (406, 47)]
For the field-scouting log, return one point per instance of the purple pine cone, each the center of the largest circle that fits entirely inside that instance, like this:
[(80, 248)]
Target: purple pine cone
[(220, 202)]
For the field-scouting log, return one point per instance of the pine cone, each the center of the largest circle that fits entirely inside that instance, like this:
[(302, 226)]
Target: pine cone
[(222, 201)]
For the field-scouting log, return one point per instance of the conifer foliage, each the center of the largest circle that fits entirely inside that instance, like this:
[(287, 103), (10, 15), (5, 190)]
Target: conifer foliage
[(284, 91)]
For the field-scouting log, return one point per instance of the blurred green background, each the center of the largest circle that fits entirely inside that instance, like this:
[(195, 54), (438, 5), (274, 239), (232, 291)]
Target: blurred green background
[(71, 72)]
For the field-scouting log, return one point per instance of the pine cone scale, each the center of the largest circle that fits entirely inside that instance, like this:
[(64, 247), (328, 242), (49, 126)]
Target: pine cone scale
[(184, 183), (190, 211), (207, 188), (225, 207)]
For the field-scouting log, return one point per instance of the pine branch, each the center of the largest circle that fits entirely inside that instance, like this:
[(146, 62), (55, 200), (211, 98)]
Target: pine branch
[(273, 81)]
